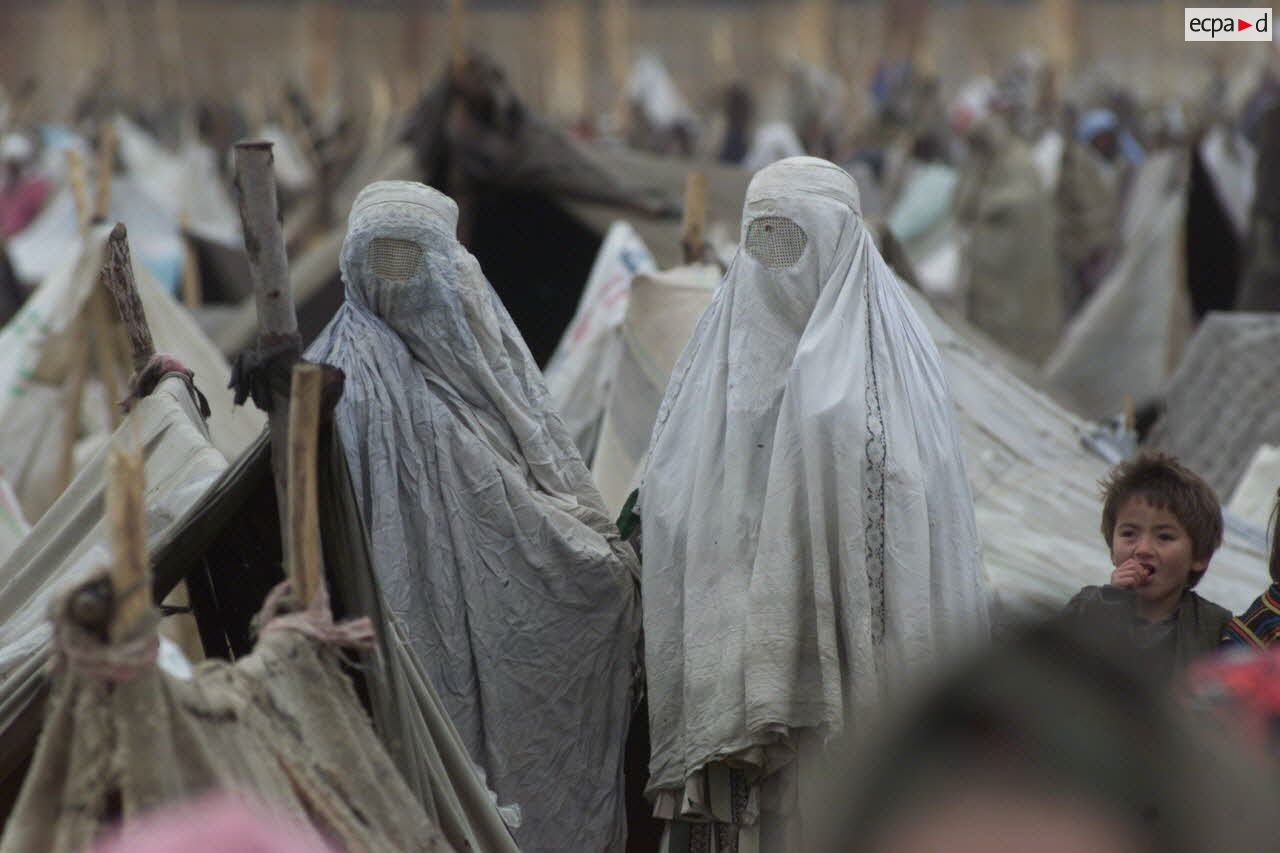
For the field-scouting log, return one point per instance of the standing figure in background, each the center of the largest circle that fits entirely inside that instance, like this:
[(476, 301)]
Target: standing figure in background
[(23, 192), (809, 539), (1010, 274), (490, 543)]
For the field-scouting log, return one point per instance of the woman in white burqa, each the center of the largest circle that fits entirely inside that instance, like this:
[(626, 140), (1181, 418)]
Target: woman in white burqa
[(809, 538), (490, 543)]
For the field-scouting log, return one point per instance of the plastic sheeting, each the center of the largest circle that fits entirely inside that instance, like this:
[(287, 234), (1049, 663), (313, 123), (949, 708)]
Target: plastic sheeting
[(70, 541), (662, 311), (492, 549), (36, 355), (580, 371), (809, 540), (1224, 400), (1128, 337)]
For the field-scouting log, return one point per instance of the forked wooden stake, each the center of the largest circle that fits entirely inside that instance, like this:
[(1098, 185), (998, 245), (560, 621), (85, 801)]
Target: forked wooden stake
[(693, 228), (117, 278), (264, 242), (269, 270), (302, 552), (125, 512)]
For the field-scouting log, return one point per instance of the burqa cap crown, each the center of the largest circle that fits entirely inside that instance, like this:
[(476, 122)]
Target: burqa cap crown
[(805, 175), (398, 198)]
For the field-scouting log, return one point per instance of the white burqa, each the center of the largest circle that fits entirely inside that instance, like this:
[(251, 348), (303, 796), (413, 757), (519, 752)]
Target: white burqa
[(490, 545), (809, 536)]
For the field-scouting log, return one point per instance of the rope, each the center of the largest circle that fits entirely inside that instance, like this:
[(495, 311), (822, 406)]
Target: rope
[(115, 663), (315, 622)]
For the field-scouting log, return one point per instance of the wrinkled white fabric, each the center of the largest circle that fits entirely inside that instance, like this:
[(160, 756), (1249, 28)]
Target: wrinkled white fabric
[(773, 141), (38, 348), (1128, 337), (1254, 497), (13, 523), (809, 537), (489, 542), (662, 311), (580, 371)]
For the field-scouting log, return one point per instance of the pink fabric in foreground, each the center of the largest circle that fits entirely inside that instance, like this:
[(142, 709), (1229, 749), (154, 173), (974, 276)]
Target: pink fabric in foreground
[(215, 823)]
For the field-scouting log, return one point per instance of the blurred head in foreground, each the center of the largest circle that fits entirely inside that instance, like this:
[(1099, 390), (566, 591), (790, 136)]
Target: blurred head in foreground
[(216, 823), (1046, 743)]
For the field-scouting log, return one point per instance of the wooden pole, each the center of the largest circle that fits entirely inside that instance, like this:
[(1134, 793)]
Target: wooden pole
[(106, 160), (117, 277), (264, 244), (269, 271), (126, 516), (192, 285), (693, 227), (79, 189), (302, 549)]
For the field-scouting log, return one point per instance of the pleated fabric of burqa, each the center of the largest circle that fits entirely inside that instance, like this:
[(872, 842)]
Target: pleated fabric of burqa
[(809, 538), (491, 546)]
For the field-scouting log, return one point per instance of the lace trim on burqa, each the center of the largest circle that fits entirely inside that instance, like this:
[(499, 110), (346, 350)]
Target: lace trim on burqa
[(877, 452)]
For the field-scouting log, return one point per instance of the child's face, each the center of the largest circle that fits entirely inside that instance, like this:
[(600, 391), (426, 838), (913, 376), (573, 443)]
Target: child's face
[(1157, 541)]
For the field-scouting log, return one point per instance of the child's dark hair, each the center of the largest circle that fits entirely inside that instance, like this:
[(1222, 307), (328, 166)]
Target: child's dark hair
[(1165, 483)]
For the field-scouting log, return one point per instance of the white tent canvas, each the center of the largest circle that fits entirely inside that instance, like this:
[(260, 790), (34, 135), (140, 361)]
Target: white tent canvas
[(36, 354), (70, 540), (661, 314), (583, 364), (1128, 337)]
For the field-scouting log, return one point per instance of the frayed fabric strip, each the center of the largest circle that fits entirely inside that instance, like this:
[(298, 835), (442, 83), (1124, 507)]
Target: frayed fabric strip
[(77, 649), (315, 622)]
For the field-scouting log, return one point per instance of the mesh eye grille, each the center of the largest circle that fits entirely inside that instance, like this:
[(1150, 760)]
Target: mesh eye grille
[(394, 260), (775, 242)]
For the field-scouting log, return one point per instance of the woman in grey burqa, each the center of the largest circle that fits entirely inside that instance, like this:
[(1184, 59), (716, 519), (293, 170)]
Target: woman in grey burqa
[(491, 546)]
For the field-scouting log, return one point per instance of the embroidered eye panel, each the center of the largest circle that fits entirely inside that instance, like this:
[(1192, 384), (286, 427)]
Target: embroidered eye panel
[(775, 241)]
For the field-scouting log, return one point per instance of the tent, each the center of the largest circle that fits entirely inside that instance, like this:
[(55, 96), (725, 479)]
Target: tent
[(41, 350), (581, 369), (661, 312), (1223, 402), (1255, 495), (228, 550), (513, 173), (69, 541), (37, 251)]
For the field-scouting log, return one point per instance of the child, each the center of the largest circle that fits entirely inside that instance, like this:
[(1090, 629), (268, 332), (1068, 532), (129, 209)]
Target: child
[(1162, 523), (1259, 627)]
